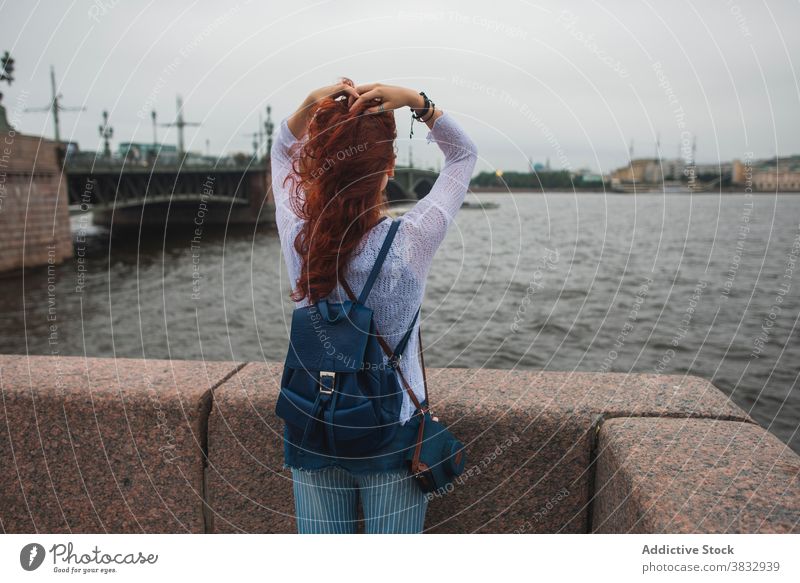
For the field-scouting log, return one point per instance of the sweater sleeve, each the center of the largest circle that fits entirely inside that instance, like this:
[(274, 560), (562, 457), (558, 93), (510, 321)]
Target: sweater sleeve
[(281, 156), (426, 224)]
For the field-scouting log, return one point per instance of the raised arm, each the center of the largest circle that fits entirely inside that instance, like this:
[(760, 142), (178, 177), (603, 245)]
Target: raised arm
[(426, 224), (291, 131), (281, 166)]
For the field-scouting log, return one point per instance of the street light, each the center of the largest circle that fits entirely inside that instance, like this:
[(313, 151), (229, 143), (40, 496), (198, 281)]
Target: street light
[(7, 68), (269, 127), (106, 132)]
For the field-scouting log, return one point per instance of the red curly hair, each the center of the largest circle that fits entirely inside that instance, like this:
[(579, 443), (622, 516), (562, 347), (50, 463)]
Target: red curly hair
[(336, 180)]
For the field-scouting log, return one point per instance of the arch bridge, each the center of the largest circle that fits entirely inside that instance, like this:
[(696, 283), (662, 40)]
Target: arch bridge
[(224, 194), (410, 184)]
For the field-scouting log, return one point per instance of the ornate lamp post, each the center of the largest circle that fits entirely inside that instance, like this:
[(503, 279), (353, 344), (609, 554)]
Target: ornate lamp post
[(155, 131), (268, 129), (7, 68), (106, 132), (6, 74)]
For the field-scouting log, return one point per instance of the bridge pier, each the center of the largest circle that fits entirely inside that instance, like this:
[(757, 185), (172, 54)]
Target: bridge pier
[(34, 217)]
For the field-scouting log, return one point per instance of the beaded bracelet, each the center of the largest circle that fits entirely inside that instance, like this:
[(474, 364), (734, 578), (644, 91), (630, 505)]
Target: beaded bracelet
[(429, 106), (433, 110), (425, 107)]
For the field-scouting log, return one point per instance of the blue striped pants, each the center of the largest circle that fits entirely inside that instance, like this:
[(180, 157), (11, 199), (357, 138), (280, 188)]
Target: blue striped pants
[(326, 501)]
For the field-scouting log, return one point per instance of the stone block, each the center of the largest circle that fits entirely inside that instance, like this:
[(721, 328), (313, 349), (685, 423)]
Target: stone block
[(694, 476), (528, 436), (92, 445), (248, 491)]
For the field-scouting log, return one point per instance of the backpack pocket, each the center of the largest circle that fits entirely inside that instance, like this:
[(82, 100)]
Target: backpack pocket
[(352, 423), (341, 423), (295, 409)]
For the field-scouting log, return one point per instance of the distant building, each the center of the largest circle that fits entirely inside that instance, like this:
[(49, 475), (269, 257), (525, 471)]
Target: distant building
[(714, 169), (643, 170), (770, 175), (776, 180), (673, 168), (657, 171), (588, 177), (741, 174)]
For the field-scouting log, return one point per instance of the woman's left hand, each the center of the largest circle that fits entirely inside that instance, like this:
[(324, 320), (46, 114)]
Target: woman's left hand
[(334, 91), (376, 97)]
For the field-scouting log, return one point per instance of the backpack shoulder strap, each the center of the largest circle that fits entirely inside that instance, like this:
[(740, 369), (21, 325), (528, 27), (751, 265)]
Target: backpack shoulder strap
[(419, 407), (376, 269), (401, 346)]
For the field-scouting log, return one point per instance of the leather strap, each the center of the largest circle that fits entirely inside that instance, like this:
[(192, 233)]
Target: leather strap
[(416, 466), (391, 354), (415, 461), (376, 269)]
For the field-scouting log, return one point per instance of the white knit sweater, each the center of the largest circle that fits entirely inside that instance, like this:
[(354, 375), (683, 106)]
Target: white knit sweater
[(400, 287)]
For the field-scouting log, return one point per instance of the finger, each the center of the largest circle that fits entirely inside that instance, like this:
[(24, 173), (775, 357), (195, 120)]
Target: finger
[(366, 87), (351, 94), (387, 106), (343, 89), (365, 98)]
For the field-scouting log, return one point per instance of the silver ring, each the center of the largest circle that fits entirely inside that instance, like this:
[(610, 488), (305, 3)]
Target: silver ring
[(380, 108)]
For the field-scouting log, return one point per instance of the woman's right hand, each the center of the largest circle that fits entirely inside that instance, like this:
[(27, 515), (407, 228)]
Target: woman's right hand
[(372, 95), (299, 119)]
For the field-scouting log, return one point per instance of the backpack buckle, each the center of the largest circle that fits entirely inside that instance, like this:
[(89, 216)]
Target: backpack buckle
[(326, 381)]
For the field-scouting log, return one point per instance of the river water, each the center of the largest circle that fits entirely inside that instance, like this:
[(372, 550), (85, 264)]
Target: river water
[(704, 285)]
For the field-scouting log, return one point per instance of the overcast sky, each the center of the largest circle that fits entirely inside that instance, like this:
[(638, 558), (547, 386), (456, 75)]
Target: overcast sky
[(526, 79)]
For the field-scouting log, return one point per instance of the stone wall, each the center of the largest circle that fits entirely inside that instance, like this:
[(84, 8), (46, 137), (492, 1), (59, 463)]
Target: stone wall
[(34, 214), (695, 476), (105, 445)]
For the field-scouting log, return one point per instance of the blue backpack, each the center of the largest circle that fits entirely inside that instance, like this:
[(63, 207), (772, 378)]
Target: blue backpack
[(337, 396)]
